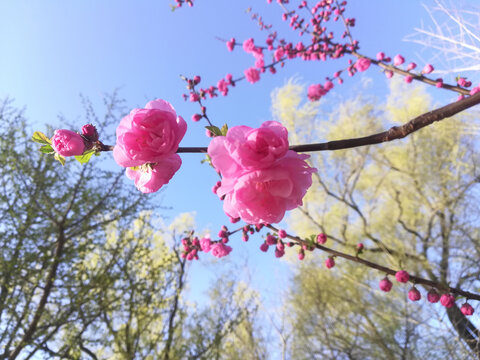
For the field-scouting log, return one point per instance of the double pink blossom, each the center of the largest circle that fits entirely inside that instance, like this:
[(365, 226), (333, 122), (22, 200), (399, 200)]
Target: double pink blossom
[(362, 64), (147, 140), (261, 178)]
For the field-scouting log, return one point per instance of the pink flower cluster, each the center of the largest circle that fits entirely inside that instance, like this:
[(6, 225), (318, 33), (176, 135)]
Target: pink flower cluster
[(261, 177), (147, 140)]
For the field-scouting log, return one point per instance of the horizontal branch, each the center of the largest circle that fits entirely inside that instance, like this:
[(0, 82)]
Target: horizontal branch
[(413, 279), (394, 133)]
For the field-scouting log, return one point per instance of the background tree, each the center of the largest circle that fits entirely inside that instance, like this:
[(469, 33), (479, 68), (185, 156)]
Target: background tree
[(85, 273), (413, 204)]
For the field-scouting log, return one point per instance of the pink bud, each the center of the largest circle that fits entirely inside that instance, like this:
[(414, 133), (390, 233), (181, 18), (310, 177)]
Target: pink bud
[(408, 79), (279, 253), (330, 262), (411, 66), (264, 247), (360, 246), (90, 132), (196, 117), (433, 296), (398, 60), (301, 255), (380, 56), (414, 294), (385, 284), (67, 143), (271, 240), (439, 83), (231, 44), (447, 300), (328, 85), (467, 309), (196, 79), (402, 276), (427, 69), (282, 234), (389, 74), (321, 238)]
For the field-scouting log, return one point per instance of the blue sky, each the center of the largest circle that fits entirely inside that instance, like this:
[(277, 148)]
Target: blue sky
[(54, 50)]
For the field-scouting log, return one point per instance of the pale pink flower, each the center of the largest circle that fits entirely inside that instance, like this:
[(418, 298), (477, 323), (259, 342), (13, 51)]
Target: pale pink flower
[(252, 75), (148, 135), (220, 250), (150, 178), (67, 143), (362, 64)]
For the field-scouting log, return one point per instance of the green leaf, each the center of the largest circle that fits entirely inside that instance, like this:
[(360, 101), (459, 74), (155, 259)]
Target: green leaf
[(60, 158), (224, 130), (206, 160), (47, 149), (214, 130), (85, 158), (41, 138)]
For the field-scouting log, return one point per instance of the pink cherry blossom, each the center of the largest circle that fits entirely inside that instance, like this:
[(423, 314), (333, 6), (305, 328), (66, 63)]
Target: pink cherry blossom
[(252, 75), (220, 250), (67, 143), (385, 284), (148, 135), (248, 45), (362, 64), (245, 148), (263, 195), (150, 178), (315, 92), (206, 243), (328, 85)]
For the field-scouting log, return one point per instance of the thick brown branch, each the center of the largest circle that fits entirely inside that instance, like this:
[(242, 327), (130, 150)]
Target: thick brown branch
[(394, 133)]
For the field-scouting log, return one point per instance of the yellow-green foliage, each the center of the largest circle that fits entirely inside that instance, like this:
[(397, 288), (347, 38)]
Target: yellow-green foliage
[(405, 200)]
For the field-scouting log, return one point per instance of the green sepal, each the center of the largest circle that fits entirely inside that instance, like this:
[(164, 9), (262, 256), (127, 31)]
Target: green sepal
[(85, 158), (41, 138), (224, 130), (47, 149), (207, 159), (214, 130), (60, 158)]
